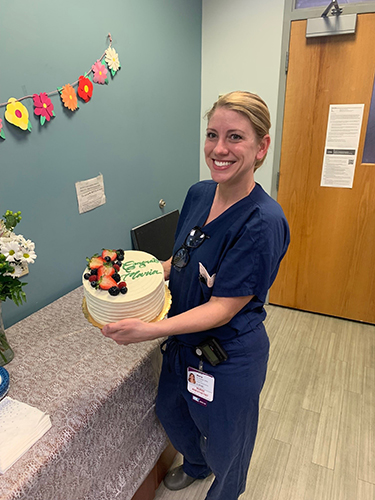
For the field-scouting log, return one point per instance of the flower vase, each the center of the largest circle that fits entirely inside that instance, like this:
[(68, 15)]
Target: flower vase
[(6, 353)]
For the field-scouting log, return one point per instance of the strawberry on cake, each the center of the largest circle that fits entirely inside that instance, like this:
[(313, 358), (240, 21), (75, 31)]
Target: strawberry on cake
[(119, 285)]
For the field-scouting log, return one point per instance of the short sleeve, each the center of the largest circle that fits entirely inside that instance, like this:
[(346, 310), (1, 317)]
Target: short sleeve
[(250, 264)]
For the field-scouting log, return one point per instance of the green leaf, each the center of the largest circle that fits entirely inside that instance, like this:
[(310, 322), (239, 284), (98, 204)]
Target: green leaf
[(113, 72), (42, 119), (29, 127), (53, 113), (59, 89), (2, 134)]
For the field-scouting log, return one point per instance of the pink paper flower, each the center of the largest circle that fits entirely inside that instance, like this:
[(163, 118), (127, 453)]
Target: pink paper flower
[(100, 72), (43, 107)]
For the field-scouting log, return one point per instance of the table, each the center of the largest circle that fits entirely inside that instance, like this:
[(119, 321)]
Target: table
[(105, 436)]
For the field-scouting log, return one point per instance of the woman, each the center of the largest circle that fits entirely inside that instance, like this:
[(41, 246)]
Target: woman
[(230, 239)]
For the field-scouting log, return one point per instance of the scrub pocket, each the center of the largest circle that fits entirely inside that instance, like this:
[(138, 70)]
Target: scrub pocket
[(206, 291)]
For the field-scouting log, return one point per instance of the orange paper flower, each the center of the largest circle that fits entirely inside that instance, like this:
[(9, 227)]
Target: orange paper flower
[(69, 97)]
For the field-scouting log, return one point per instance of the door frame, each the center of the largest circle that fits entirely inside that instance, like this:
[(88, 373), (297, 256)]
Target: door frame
[(293, 14)]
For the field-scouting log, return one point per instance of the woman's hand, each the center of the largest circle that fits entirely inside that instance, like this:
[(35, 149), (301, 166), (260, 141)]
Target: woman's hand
[(129, 331), (167, 268)]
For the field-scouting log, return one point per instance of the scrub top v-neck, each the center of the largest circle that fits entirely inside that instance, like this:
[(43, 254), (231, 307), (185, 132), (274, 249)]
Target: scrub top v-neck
[(240, 257)]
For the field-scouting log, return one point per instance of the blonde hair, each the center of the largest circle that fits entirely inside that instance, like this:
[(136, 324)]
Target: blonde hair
[(249, 105)]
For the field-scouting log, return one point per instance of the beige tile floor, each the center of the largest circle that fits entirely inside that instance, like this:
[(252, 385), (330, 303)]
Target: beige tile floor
[(316, 438)]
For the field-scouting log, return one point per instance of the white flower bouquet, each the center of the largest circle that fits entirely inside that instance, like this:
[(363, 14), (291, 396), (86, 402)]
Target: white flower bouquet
[(15, 253)]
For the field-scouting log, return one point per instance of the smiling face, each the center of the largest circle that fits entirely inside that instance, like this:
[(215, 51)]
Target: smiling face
[(232, 148)]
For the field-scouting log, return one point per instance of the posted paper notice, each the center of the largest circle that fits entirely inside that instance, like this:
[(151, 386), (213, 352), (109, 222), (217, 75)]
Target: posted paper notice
[(90, 194), (340, 152)]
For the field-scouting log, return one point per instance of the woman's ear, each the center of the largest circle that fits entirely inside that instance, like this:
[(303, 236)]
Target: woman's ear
[(263, 147)]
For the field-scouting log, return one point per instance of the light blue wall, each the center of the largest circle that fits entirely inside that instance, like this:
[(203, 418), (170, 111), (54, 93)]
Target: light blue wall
[(141, 131)]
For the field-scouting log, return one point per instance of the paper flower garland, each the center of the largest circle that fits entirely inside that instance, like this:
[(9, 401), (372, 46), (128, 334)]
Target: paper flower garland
[(2, 136), (85, 88), (100, 72), (111, 58), (69, 97), (17, 114), (43, 107)]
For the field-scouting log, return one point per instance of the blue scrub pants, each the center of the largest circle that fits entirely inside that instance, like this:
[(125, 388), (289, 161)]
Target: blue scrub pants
[(219, 437)]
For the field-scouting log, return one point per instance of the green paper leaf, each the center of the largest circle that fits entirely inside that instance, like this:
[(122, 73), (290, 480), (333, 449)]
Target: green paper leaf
[(106, 80), (29, 127), (2, 134), (42, 119), (59, 89), (53, 113), (103, 61), (113, 72)]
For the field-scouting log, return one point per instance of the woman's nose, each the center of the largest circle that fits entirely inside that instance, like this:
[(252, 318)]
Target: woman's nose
[(221, 147)]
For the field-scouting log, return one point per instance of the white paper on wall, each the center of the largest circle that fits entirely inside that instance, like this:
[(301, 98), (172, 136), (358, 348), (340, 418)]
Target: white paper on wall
[(90, 194)]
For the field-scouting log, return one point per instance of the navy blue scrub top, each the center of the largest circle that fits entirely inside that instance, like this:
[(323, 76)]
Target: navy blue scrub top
[(245, 246)]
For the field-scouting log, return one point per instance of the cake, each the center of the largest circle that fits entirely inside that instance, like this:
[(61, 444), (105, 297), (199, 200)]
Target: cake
[(119, 285)]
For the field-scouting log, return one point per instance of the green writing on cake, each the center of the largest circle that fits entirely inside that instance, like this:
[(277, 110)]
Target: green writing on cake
[(134, 270)]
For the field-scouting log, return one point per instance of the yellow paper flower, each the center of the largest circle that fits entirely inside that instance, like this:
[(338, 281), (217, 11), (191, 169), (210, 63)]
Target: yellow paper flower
[(17, 114), (111, 58)]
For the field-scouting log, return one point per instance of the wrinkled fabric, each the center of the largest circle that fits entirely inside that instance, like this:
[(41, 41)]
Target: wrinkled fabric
[(105, 436), (218, 437)]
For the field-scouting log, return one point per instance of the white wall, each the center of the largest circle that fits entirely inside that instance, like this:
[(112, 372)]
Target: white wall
[(241, 49)]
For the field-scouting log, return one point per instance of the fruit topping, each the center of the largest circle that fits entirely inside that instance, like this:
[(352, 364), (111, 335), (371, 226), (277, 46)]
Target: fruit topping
[(116, 277), (95, 262), (114, 291), (109, 255), (87, 276), (92, 278), (122, 284), (94, 284), (120, 257), (124, 290), (117, 267), (107, 282), (106, 270)]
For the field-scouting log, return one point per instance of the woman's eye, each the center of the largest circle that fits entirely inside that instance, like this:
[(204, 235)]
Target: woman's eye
[(210, 135), (235, 137)]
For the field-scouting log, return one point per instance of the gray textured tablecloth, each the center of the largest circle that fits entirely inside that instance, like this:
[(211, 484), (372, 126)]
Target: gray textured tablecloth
[(105, 437)]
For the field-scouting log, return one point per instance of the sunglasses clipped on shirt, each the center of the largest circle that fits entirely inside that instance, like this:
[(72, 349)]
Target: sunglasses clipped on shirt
[(193, 240)]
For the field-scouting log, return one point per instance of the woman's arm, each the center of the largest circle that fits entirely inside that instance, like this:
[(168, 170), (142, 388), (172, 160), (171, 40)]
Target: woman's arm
[(216, 312), (167, 268)]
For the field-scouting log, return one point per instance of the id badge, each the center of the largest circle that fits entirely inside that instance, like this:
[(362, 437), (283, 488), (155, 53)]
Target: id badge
[(200, 384)]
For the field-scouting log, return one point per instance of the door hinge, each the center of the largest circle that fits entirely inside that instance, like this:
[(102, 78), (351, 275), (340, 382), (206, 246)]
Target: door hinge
[(286, 62), (277, 181)]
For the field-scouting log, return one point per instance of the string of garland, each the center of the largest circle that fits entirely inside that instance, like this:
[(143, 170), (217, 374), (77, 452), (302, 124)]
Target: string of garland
[(17, 114)]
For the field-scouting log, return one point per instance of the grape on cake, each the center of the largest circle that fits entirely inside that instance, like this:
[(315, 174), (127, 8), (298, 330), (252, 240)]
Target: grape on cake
[(119, 285)]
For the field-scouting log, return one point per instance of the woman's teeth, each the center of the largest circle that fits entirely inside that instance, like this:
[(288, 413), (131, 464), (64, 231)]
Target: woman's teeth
[(222, 163)]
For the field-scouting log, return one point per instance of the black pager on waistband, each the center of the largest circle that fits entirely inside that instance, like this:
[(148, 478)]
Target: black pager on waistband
[(211, 350)]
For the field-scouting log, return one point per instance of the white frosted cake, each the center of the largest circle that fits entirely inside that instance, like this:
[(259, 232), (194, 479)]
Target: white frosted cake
[(119, 285)]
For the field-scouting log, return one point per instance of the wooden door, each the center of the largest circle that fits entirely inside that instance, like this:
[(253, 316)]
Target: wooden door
[(330, 265)]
